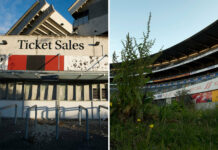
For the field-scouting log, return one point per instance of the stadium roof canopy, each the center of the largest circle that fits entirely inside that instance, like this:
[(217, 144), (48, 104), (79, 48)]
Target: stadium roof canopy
[(76, 6), (206, 38), (41, 19)]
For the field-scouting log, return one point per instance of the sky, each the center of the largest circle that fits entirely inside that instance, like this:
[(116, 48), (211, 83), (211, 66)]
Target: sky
[(172, 20), (12, 10)]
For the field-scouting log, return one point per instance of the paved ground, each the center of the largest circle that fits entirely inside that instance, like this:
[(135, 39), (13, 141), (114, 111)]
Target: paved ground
[(71, 135)]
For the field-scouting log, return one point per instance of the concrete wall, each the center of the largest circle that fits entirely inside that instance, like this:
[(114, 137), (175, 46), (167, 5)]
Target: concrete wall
[(203, 106), (97, 17), (46, 109), (94, 26)]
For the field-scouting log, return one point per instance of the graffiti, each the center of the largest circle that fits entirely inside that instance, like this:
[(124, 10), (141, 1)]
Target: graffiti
[(3, 62), (202, 97)]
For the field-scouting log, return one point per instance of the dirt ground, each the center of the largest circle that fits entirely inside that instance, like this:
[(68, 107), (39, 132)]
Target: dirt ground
[(71, 135)]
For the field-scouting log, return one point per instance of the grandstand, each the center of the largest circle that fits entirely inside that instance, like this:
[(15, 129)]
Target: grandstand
[(191, 64)]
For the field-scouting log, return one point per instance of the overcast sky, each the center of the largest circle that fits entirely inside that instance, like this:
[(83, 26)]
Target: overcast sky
[(172, 20)]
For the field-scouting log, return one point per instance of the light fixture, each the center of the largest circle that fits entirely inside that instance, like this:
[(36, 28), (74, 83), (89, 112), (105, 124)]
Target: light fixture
[(4, 42)]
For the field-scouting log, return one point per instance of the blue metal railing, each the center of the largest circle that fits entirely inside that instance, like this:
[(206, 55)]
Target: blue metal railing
[(99, 113), (87, 120), (27, 119)]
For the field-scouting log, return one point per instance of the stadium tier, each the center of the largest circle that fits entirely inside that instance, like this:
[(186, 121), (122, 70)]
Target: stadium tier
[(191, 65)]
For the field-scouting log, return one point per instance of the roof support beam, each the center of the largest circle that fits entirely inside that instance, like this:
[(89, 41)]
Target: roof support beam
[(20, 25), (211, 36), (39, 21), (53, 28), (41, 31), (50, 20), (199, 43), (47, 30)]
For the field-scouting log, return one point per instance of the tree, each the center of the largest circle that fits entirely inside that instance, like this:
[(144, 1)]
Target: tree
[(131, 75)]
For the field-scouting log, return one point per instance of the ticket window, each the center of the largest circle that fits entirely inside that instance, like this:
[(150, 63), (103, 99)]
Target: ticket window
[(96, 92), (104, 94)]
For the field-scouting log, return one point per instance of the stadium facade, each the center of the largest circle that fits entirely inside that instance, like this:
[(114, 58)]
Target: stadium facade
[(190, 65), (44, 62)]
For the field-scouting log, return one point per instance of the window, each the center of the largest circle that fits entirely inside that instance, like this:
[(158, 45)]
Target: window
[(96, 93), (82, 20), (104, 93)]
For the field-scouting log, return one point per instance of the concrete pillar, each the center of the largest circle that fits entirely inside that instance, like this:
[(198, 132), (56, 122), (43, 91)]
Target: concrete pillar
[(19, 87), (26, 91), (78, 92), (34, 91), (86, 93), (50, 91), (10, 90), (70, 92), (61, 92), (42, 91)]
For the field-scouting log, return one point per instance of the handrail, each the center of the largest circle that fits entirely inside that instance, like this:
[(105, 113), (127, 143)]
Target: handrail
[(99, 113), (27, 119), (15, 111), (87, 120)]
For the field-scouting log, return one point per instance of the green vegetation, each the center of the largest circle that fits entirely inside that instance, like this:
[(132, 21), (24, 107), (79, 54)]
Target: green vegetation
[(138, 124), (176, 127)]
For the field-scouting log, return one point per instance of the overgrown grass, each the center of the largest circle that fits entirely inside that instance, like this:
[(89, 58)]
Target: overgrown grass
[(176, 127)]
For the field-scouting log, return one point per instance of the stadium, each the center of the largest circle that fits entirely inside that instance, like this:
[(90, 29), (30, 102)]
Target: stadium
[(191, 65)]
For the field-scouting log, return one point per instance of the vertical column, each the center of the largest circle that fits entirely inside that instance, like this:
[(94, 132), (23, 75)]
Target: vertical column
[(26, 91), (19, 89), (34, 91), (42, 91), (50, 92), (86, 92), (10, 90), (14, 91), (70, 92), (78, 92), (61, 92)]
